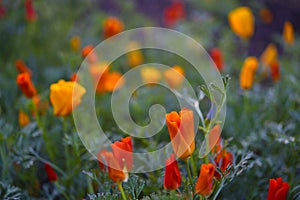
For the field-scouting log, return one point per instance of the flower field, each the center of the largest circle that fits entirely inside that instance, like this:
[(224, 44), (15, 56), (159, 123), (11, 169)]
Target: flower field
[(137, 99)]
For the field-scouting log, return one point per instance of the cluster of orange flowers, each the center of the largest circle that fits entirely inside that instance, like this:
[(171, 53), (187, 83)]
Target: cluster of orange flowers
[(241, 21)]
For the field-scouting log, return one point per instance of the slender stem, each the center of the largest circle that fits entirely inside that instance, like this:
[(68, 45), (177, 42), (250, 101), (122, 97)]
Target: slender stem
[(189, 174), (122, 191), (64, 123), (194, 168), (61, 191)]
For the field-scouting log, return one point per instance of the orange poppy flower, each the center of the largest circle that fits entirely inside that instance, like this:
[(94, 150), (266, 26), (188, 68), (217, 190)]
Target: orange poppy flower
[(25, 84), (113, 81), (150, 75), (115, 172), (269, 55), (172, 179), (182, 133), (266, 15), (204, 184), (89, 53), (61, 94), (75, 43), (247, 73), (278, 189), (241, 21), (23, 119), (288, 33), (21, 67), (135, 56), (112, 26), (275, 70), (223, 160), (74, 77), (217, 57), (174, 76)]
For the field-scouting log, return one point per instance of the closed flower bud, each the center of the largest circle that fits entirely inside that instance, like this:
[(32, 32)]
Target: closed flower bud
[(288, 33), (25, 84), (172, 179)]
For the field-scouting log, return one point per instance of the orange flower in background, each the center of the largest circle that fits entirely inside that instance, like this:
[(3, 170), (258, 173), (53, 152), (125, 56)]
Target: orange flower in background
[(174, 76), (172, 179), (30, 13), (112, 26), (241, 21), (88, 53), (247, 73), (61, 94), (269, 55), (217, 56), (135, 57), (204, 184), (275, 70), (21, 67), (173, 13), (23, 119), (25, 84), (113, 81), (278, 189), (150, 75), (75, 43), (182, 133), (50, 172), (288, 33), (74, 77), (266, 15)]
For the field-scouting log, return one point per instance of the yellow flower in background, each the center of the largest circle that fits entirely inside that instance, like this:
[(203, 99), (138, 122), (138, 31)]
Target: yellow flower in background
[(135, 57), (247, 73), (150, 75), (75, 43), (174, 76), (269, 55), (288, 33), (61, 94), (23, 118), (241, 21)]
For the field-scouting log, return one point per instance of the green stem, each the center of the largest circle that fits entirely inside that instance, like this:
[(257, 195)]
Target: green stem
[(189, 174), (3, 158), (90, 186), (61, 191), (194, 168), (44, 133), (121, 190), (65, 130)]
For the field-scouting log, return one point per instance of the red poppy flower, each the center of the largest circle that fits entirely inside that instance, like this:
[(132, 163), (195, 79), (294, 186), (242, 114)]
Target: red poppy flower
[(25, 84), (172, 178), (50, 172), (278, 189), (204, 184)]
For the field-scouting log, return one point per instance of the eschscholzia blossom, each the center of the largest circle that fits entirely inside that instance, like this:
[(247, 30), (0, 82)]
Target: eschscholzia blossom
[(181, 131), (150, 75), (21, 67), (74, 77), (75, 43), (23, 119), (112, 26), (247, 73), (89, 53), (135, 57), (174, 76), (266, 15), (288, 33), (204, 183), (25, 84), (50, 172), (278, 189), (269, 55), (173, 13), (30, 11), (217, 57), (119, 161), (275, 70), (62, 94), (223, 160), (241, 21), (113, 81), (172, 179)]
